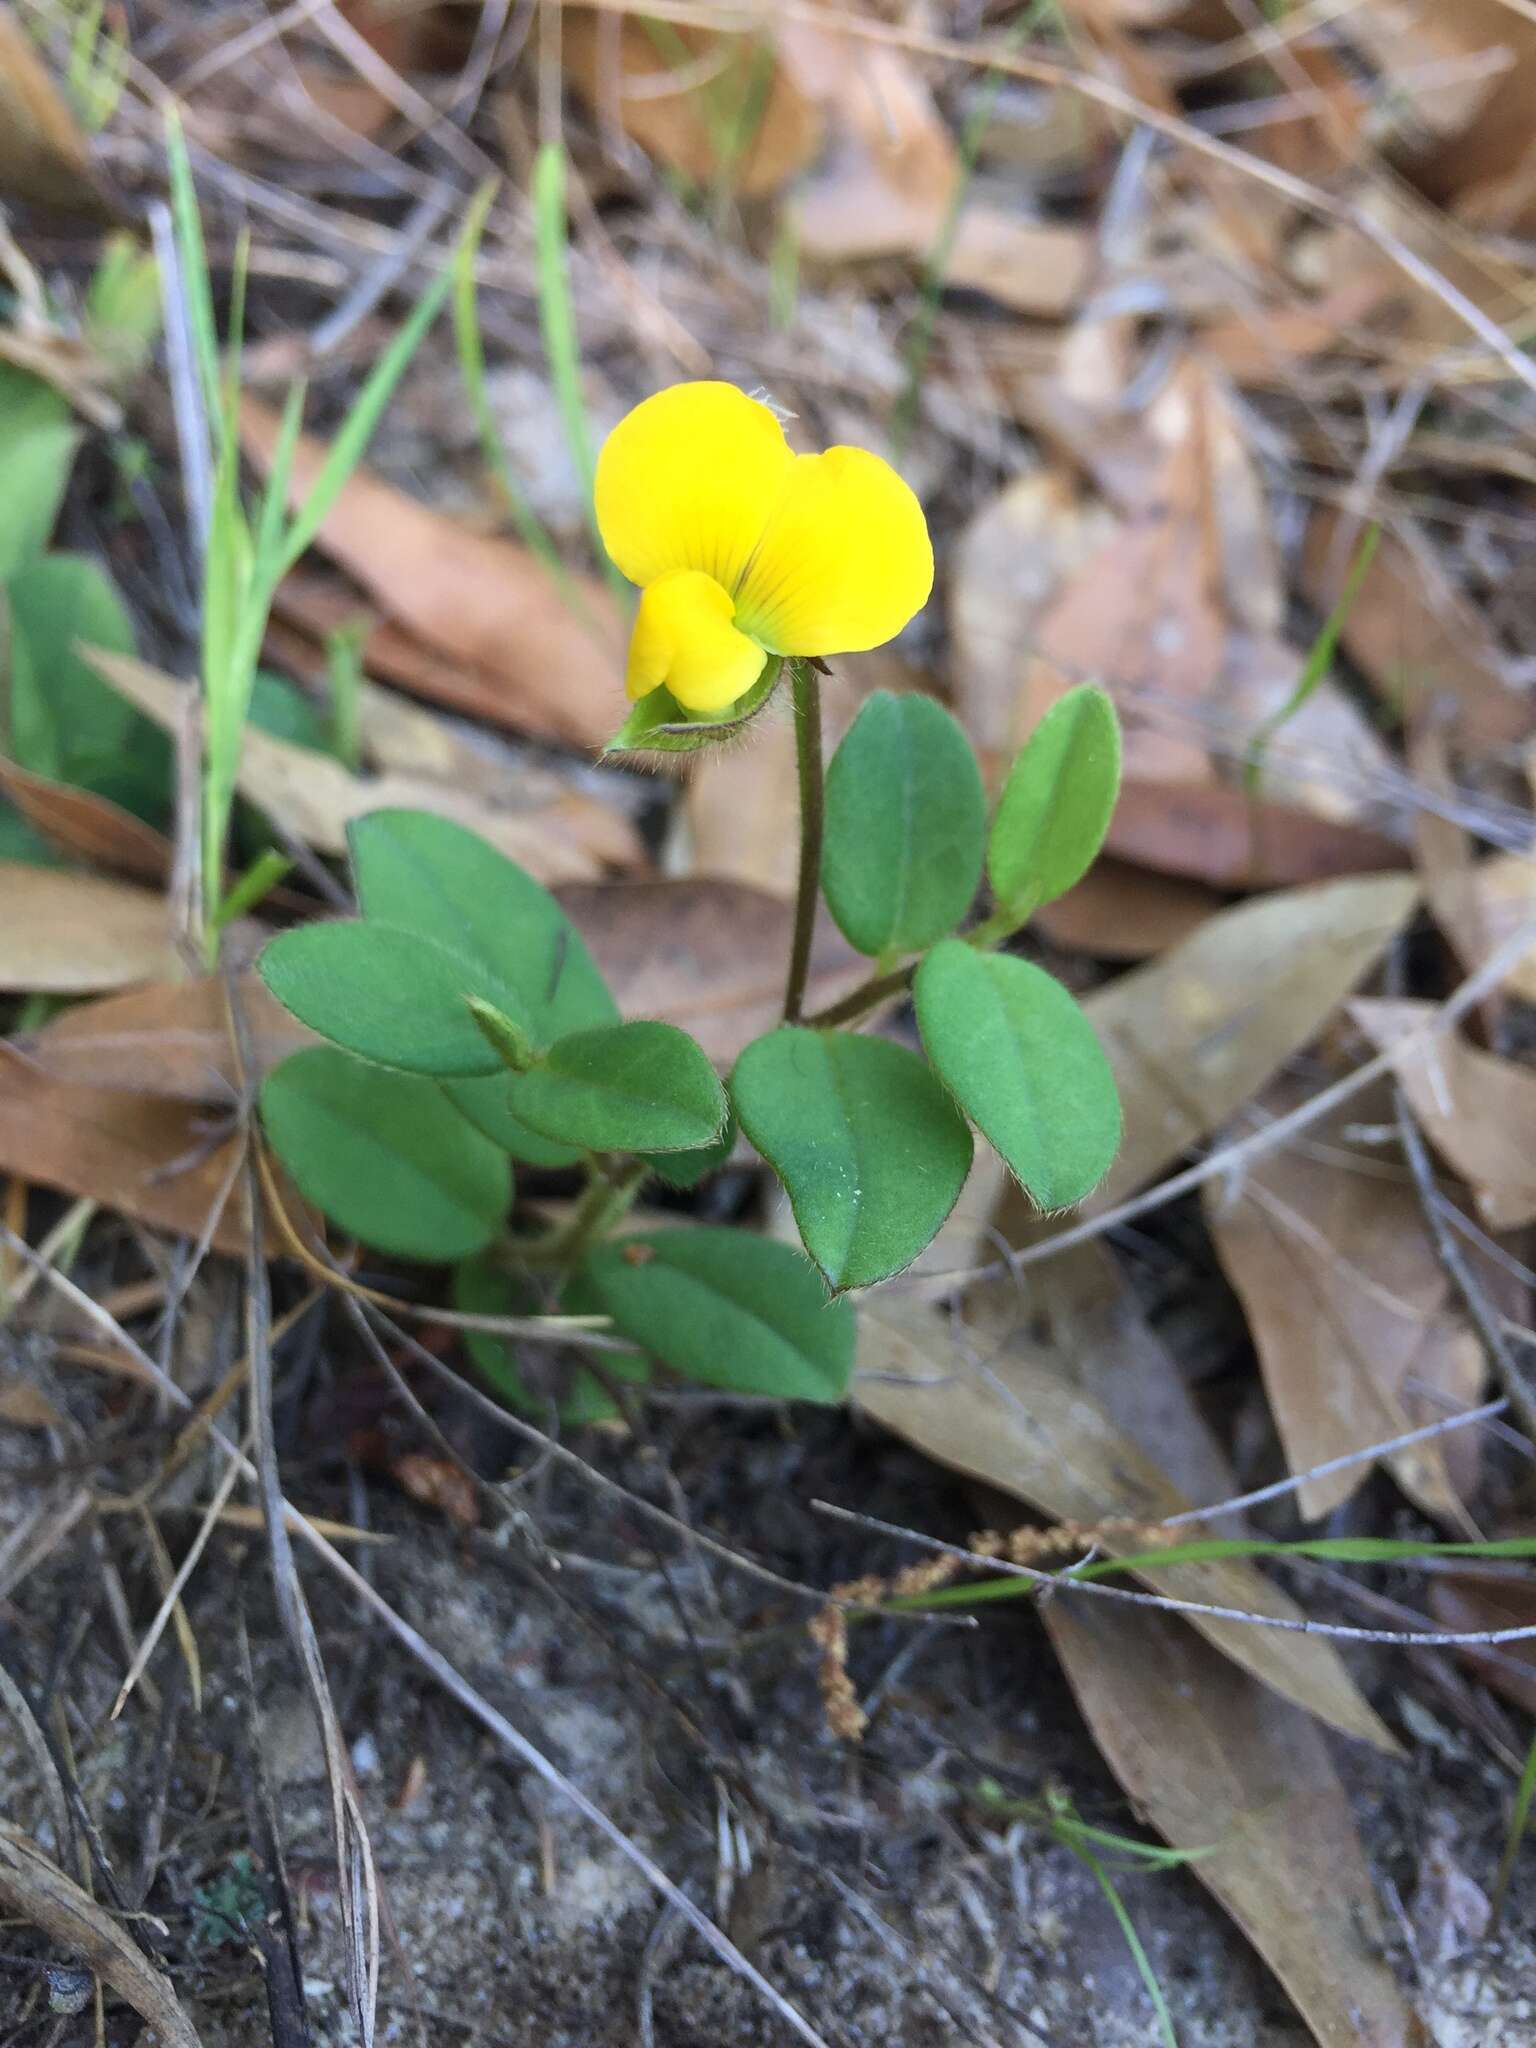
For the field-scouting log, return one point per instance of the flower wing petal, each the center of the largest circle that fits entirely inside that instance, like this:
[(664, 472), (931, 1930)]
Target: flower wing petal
[(683, 637), (844, 561), (687, 480)]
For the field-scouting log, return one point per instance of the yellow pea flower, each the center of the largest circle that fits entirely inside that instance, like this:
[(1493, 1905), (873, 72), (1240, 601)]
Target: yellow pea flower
[(743, 549)]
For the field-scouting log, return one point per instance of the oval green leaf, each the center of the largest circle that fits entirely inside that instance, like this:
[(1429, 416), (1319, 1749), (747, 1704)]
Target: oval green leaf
[(1024, 1065), (641, 1087), (488, 1105), (1057, 802), (384, 1156), (872, 1152), (687, 1169), (428, 875), (906, 824), (386, 994), (724, 1308), (545, 1379)]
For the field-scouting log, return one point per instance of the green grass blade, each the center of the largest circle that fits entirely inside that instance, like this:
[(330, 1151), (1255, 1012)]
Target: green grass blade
[(1520, 1815), (351, 443), (344, 674), (558, 322), (274, 503), (262, 876), (471, 348), (1127, 1928), (195, 285), (1205, 1550), (1317, 664)]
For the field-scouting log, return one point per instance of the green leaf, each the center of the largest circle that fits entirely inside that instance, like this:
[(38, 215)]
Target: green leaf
[(384, 1155), (640, 1087), (488, 1105), (906, 825), (62, 714), (660, 725), (426, 874), (1024, 1065), (1057, 802), (484, 1287), (725, 1308), (687, 1169), (282, 709), (387, 994), (872, 1152), (38, 439)]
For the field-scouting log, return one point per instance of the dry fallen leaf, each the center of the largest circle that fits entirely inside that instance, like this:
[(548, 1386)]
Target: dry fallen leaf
[(1491, 1597), (159, 1161), (1120, 912), (1503, 900), (171, 1039), (1194, 1035), (44, 158), (1218, 1763), (555, 660), (1009, 1411), (1216, 834), (1327, 1248), (89, 826), (1477, 1110), (704, 954), (71, 934), (891, 172), (564, 836), (695, 101)]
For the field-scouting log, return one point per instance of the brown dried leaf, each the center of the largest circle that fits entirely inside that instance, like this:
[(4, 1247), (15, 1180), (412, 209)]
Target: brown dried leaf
[(1192, 1036), (1471, 1599), (89, 826), (1216, 834), (1503, 899), (704, 954), (892, 171), (1216, 1762), (1119, 912), (556, 661), (171, 1040), (1010, 1411), (1477, 1110), (40, 1892), (151, 1159), (44, 158), (72, 934), (1327, 1248), (618, 66), (564, 837)]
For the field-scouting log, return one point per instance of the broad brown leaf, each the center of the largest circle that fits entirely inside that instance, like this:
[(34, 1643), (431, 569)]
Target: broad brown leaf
[(1477, 1110), (43, 154), (71, 934), (171, 1040), (1218, 1763), (92, 827), (556, 660), (1327, 1248)]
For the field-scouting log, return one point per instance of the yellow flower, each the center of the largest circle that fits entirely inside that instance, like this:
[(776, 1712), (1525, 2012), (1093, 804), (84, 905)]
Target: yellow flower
[(743, 549)]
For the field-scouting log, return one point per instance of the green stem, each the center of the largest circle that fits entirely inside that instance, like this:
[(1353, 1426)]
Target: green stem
[(805, 687), (607, 1197), (991, 932)]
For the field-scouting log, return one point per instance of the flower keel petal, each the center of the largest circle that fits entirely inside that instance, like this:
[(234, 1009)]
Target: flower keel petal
[(687, 481), (684, 637), (844, 561)]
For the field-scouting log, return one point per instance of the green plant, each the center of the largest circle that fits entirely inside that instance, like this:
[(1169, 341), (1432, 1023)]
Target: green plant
[(471, 1034)]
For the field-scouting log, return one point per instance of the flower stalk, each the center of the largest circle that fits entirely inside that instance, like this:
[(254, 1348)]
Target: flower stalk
[(805, 689)]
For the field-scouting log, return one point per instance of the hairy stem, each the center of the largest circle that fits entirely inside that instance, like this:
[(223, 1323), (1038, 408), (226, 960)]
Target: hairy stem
[(990, 933), (805, 688), (606, 1197)]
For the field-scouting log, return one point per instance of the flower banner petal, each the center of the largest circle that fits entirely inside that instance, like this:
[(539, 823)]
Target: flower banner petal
[(844, 561), (683, 637), (687, 481)]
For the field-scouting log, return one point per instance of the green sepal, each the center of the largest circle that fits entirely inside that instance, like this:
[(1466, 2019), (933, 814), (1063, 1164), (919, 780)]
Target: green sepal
[(658, 724)]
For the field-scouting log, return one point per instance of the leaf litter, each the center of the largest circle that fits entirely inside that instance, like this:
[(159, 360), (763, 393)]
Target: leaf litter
[(1157, 392)]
